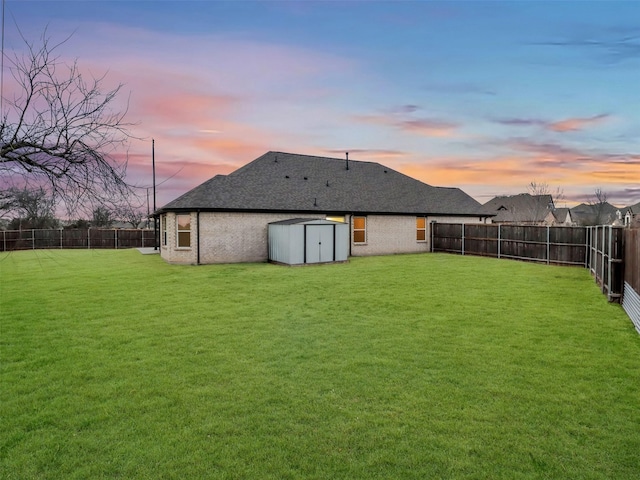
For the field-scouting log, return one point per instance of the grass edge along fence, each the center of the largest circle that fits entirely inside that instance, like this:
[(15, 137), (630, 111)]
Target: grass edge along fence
[(114, 238), (610, 253)]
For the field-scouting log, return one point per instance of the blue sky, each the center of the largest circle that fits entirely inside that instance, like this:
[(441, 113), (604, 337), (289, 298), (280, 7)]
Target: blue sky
[(485, 96)]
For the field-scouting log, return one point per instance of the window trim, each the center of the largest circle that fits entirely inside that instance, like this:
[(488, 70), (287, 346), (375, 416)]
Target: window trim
[(423, 229), (364, 230), (178, 232), (163, 230)]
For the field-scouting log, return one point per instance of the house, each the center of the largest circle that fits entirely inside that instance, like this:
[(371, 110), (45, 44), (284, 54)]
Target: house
[(632, 215), (559, 217), (601, 213), (225, 219), (520, 209)]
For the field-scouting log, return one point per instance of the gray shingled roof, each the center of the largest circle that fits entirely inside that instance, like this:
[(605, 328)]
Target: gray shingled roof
[(522, 208), (589, 214), (279, 181)]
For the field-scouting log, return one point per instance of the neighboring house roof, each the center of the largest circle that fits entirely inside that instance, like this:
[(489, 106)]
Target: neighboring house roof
[(590, 214), (279, 181), (522, 208), (562, 215), (634, 209)]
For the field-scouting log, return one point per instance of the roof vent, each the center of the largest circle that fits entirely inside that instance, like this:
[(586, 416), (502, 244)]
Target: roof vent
[(286, 176), (347, 160), (315, 202), (276, 159), (306, 178), (327, 183)]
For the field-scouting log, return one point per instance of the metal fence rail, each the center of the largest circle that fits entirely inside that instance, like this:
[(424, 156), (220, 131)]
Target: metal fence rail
[(606, 259), (76, 238)]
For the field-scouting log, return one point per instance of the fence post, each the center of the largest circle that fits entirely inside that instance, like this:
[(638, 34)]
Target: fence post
[(499, 239), (602, 264), (33, 239), (587, 236), (60, 238), (463, 239), (88, 238), (609, 269), (548, 246), (115, 231)]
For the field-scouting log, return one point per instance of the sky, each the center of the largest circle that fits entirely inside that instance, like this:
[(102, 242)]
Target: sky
[(484, 96)]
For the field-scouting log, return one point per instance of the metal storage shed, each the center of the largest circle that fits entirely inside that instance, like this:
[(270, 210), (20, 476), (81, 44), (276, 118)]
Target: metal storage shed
[(305, 240)]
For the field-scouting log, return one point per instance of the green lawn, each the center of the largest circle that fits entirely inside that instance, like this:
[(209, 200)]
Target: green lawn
[(117, 365)]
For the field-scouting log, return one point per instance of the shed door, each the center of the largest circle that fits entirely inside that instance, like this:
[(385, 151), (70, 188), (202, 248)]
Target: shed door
[(318, 243)]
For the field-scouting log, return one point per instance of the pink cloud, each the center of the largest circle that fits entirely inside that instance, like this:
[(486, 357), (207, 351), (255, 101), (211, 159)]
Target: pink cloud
[(571, 124), (576, 123)]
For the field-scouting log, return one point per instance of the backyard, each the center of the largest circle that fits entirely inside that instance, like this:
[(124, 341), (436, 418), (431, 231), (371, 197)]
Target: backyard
[(117, 365)]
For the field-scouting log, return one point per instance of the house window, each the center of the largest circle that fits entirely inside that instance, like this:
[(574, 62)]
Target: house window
[(421, 229), (183, 230), (359, 229), (163, 230)]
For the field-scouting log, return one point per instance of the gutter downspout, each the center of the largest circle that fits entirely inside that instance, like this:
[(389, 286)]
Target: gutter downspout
[(198, 237), (350, 230)]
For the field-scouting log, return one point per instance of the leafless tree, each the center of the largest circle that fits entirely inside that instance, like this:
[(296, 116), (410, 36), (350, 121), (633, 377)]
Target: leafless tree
[(132, 212), (59, 130), (28, 208), (544, 200), (598, 205)]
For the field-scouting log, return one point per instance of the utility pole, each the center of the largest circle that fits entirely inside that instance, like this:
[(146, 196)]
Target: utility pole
[(153, 166)]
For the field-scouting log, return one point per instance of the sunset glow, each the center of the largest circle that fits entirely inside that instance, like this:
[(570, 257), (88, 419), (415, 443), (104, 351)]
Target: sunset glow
[(485, 96)]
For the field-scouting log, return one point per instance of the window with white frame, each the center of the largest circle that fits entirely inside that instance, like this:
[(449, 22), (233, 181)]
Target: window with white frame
[(183, 231), (359, 229), (163, 230)]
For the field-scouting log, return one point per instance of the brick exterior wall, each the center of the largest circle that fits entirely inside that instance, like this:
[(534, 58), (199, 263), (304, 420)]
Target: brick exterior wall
[(243, 237), (393, 234)]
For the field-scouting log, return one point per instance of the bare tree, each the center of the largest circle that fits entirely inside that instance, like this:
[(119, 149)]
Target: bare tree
[(544, 199), (599, 204), (59, 130), (132, 212), (29, 208)]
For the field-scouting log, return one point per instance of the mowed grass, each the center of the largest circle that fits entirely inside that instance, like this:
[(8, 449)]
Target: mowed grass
[(118, 365)]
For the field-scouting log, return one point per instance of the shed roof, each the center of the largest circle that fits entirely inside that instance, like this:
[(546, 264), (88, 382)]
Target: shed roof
[(298, 221), (279, 181)]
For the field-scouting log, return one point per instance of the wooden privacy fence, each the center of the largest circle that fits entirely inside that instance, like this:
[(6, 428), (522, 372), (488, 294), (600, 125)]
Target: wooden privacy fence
[(76, 238), (606, 259), (631, 290), (552, 245)]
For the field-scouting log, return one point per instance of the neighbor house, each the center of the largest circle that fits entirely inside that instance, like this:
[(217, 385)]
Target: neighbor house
[(632, 215), (559, 217), (600, 213), (226, 218), (520, 209)]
